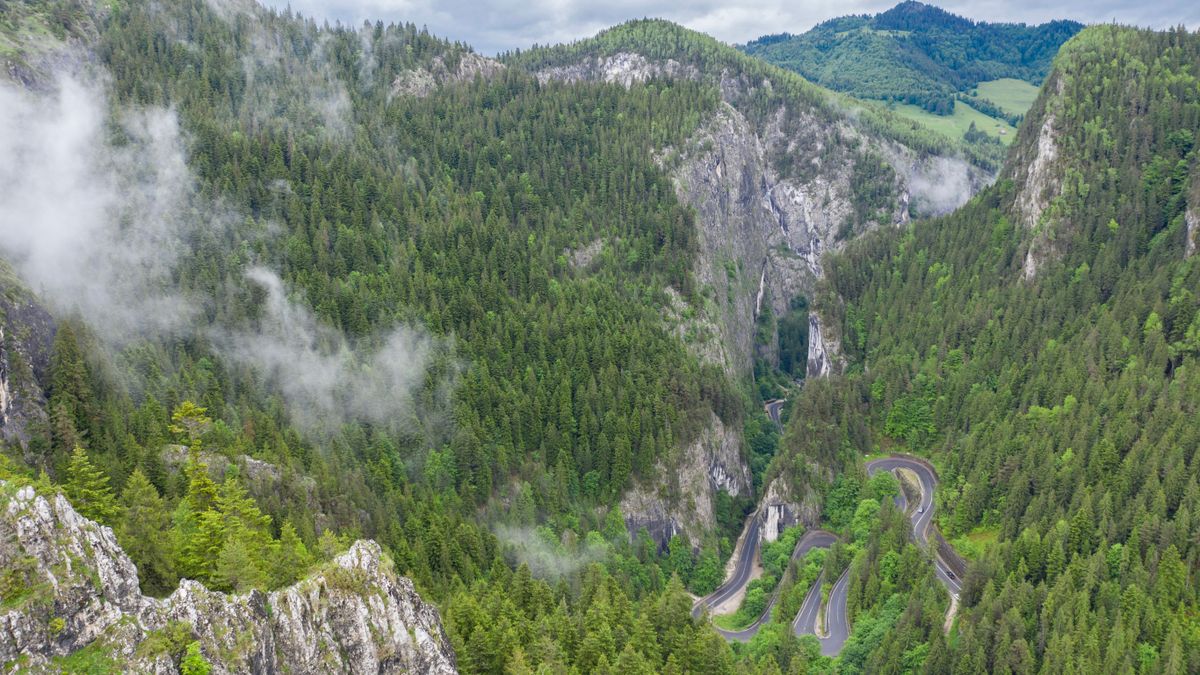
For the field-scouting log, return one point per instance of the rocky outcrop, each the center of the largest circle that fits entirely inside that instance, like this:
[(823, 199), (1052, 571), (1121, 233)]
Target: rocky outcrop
[(421, 82), (764, 232), (1191, 218), (1192, 222), (823, 348), (681, 501), (67, 586), (1036, 177), (624, 68), (26, 336), (781, 510)]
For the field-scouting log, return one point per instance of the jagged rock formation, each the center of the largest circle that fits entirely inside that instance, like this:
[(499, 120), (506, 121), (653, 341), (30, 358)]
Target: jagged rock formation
[(1191, 219), (1037, 179), (624, 68), (781, 510), (67, 586)]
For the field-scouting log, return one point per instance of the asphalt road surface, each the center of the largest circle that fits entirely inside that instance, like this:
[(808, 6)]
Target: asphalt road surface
[(743, 568), (741, 576), (922, 516), (837, 623), (774, 409)]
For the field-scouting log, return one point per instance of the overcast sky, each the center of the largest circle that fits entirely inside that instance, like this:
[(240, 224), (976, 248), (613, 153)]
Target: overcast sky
[(499, 25)]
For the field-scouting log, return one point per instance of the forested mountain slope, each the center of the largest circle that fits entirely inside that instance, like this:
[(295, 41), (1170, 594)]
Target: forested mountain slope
[(368, 309), (278, 286), (309, 284), (915, 53), (1040, 346), (968, 80), (782, 173)]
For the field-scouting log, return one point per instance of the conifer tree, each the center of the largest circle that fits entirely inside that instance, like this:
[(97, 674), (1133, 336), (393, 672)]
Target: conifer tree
[(141, 532), (88, 490)]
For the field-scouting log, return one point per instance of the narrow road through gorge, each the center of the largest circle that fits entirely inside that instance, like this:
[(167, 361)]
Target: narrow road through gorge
[(948, 565)]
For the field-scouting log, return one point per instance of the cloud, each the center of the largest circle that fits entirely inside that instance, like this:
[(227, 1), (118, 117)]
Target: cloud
[(500, 25), (92, 223), (940, 185), (545, 555), (96, 211), (324, 378)]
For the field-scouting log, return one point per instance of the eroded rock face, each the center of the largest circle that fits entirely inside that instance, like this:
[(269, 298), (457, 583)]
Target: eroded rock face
[(26, 335), (76, 588), (1038, 181), (764, 230), (421, 82), (1192, 222), (624, 68), (682, 501), (781, 510), (1191, 219)]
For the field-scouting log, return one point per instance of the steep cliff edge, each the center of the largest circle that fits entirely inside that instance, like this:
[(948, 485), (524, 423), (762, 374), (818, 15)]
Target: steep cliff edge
[(68, 589), (780, 173), (26, 335)]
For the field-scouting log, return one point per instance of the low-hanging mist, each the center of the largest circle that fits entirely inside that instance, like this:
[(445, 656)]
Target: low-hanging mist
[(326, 379), (98, 207), (93, 211)]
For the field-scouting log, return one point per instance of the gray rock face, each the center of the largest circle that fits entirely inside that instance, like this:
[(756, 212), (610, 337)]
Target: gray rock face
[(781, 510), (624, 68), (421, 82), (1038, 182), (68, 586), (683, 500), (1191, 219), (771, 198), (26, 335), (764, 231)]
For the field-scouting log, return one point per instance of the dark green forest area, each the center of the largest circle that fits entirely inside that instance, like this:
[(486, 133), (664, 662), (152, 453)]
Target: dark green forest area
[(1059, 408)]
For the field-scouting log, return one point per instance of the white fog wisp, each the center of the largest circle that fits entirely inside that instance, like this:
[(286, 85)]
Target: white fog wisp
[(324, 378), (92, 224)]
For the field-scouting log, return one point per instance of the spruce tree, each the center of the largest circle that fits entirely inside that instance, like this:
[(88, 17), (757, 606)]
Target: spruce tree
[(141, 530), (88, 490)]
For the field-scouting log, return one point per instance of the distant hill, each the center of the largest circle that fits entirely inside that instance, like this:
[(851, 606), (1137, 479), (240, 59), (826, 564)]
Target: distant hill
[(923, 56)]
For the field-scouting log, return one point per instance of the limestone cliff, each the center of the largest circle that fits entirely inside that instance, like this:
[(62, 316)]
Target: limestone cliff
[(781, 509), (682, 501), (423, 80), (26, 334), (775, 186), (68, 587), (1037, 178), (1191, 218)]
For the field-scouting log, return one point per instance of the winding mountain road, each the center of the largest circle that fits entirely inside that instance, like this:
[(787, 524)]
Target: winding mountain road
[(741, 576), (947, 564)]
